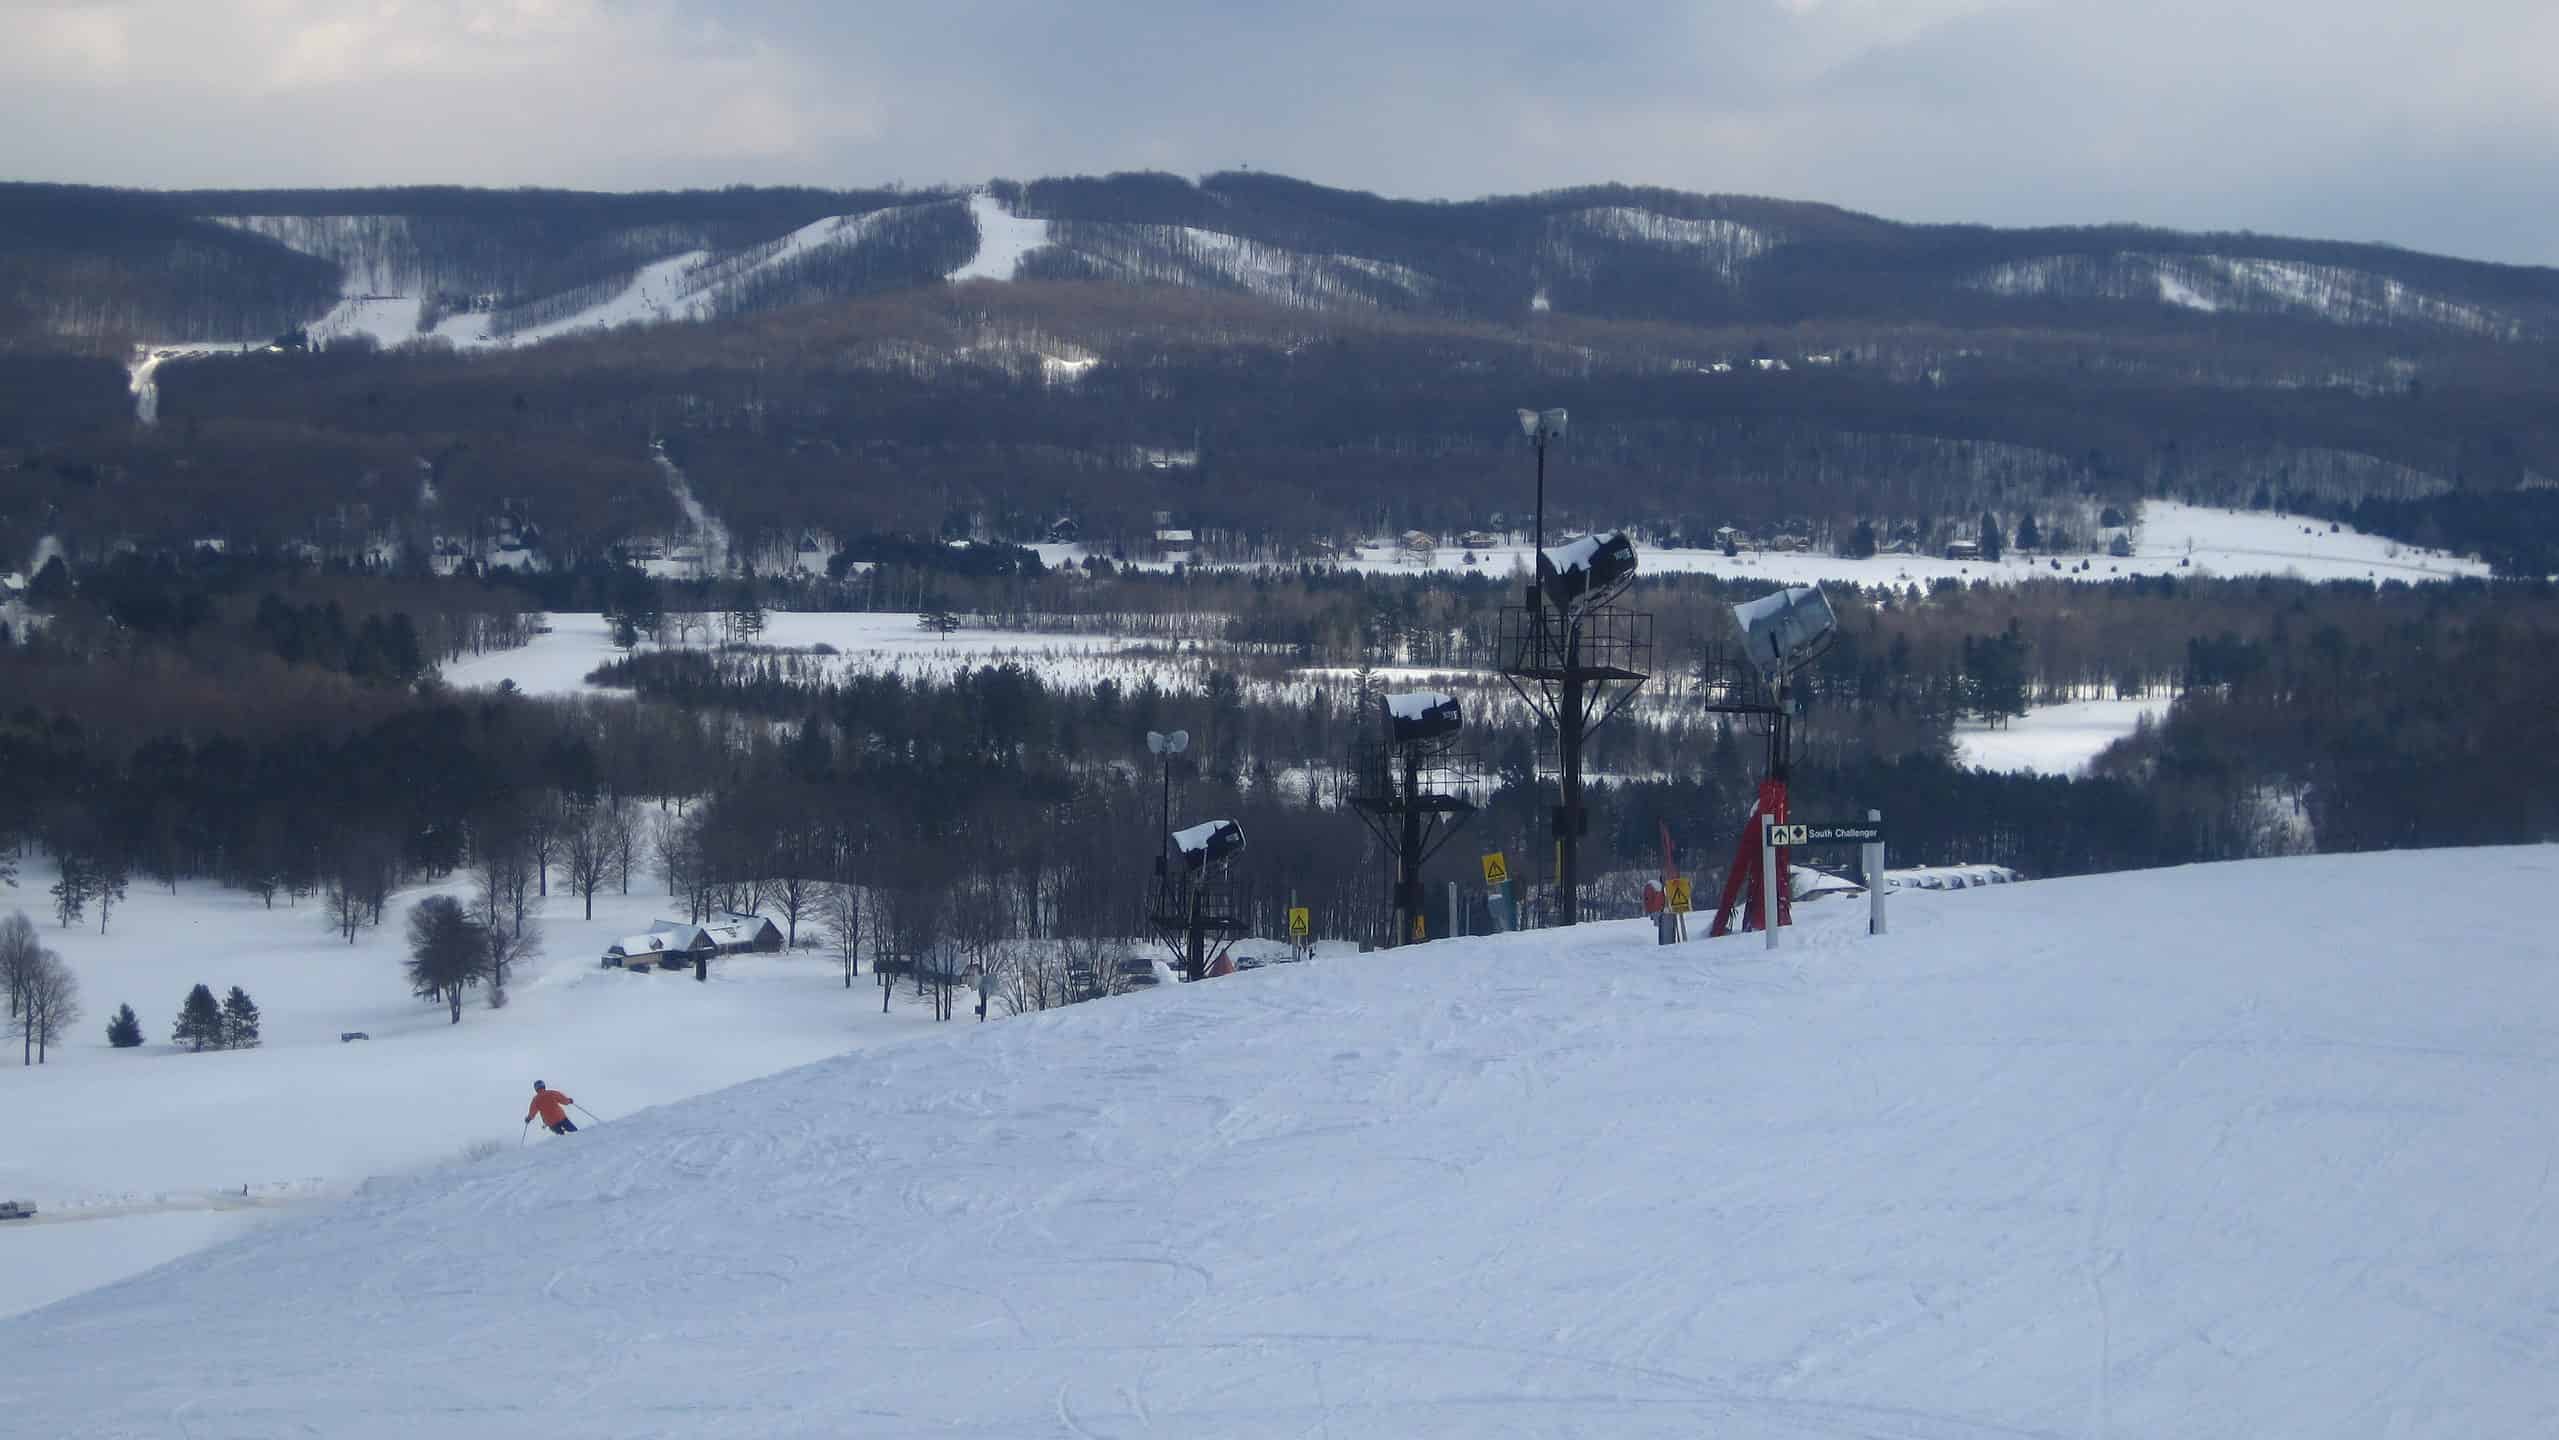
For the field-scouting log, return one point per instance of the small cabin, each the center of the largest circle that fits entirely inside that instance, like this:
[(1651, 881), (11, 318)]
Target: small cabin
[(1963, 549)]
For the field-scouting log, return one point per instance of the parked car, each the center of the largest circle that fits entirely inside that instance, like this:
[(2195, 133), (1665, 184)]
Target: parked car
[(346, 1035), (16, 1210)]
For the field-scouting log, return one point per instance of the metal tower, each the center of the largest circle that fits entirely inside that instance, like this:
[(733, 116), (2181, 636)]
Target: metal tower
[(1195, 911), (1576, 659), (1415, 792)]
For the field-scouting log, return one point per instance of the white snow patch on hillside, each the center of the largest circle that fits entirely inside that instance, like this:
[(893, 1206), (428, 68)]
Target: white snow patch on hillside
[(2204, 1152), (375, 254), (141, 369), (655, 292), (2340, 293), (1722, 246), (2174, 290), (389, 319), (1003, 239), (1190, 255), (2053, 739), (384, 283)]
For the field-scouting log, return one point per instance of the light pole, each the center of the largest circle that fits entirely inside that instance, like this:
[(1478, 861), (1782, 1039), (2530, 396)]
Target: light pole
[(1540, 426), (1166, 744)]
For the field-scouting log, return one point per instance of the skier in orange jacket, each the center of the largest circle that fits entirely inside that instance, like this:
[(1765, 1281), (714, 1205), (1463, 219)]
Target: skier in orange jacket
[(553, 1107)]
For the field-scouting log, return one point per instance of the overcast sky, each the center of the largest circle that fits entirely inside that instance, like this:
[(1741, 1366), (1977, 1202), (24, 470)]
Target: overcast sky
[(2427, 123)]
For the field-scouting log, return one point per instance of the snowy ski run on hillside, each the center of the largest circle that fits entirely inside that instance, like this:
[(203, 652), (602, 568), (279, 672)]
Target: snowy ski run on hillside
[(2243, 1150)]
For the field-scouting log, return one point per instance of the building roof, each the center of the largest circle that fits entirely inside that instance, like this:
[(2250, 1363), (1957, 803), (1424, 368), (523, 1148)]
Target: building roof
[(739, 930), (666, 937)]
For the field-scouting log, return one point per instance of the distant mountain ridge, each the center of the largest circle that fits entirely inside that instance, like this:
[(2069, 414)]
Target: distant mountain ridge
[(94, 267)]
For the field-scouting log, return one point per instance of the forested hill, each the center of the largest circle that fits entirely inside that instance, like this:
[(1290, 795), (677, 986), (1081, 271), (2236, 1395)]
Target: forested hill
[(1275, 364), (95, 266)]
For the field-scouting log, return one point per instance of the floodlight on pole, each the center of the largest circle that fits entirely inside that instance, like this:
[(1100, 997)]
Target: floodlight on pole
[(1167, 743), (1541, 426)]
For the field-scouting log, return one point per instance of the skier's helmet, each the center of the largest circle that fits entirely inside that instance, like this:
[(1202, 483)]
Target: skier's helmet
[(538, 1085)]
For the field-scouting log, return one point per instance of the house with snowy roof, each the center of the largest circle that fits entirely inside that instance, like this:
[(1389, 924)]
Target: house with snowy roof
[(668, 942)]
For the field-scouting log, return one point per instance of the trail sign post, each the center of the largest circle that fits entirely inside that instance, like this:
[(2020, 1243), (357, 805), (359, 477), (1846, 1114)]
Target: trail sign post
[(1497, 870), (1867, 833), (1679, 896)]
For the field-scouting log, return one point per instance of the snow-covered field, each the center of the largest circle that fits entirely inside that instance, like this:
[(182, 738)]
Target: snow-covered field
[(2053, 739), (2171, 538), (122, 1140), (2240, 1150), (557, 663)]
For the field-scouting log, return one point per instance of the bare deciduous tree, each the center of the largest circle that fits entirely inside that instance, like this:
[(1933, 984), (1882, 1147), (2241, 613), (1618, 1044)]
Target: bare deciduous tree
[(19, 952), (624, 848), (839, 910), (587, 834), (50, 1005)]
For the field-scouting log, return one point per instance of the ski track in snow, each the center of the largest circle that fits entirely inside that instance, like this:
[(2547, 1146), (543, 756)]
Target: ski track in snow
[(1003, 240), (2209, 1151), (709, 533)]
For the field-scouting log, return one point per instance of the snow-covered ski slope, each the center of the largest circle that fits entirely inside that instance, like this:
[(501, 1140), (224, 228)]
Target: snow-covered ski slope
[(2247, 1150), (385, 283)]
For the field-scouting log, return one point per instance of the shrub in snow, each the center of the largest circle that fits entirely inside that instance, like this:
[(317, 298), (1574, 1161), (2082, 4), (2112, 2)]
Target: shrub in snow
[(125, 1030)]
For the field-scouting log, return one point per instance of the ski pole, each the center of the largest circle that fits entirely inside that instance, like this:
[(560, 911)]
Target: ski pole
[(524, 1134), (591, 1115)]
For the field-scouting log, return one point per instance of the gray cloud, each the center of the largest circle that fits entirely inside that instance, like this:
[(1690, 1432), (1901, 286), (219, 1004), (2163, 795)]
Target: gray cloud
[(2361, 119)]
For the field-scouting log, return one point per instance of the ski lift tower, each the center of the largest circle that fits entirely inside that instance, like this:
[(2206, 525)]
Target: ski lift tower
[(1576, 658), (1195, 911), (1781, 634), (1415, 792)]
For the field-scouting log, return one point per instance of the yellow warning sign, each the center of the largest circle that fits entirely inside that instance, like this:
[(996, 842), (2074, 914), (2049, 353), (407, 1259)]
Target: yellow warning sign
[(1497, 871), (1679, 896), (1298, 923)]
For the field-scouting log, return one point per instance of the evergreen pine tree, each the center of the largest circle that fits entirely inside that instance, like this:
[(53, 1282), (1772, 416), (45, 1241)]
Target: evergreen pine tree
[(2029, 535), (239, 1020), (199, 1021), (1992, 542), (125, 1030)]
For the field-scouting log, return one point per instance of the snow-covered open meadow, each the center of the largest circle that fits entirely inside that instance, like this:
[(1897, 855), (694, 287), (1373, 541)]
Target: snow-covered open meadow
[(2168, 538), (2240, 1150), (2053, 739), (557, 662), (125, 1143)]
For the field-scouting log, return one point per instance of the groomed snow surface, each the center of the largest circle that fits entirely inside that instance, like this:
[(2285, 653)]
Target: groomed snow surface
[(2243, 1150)]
